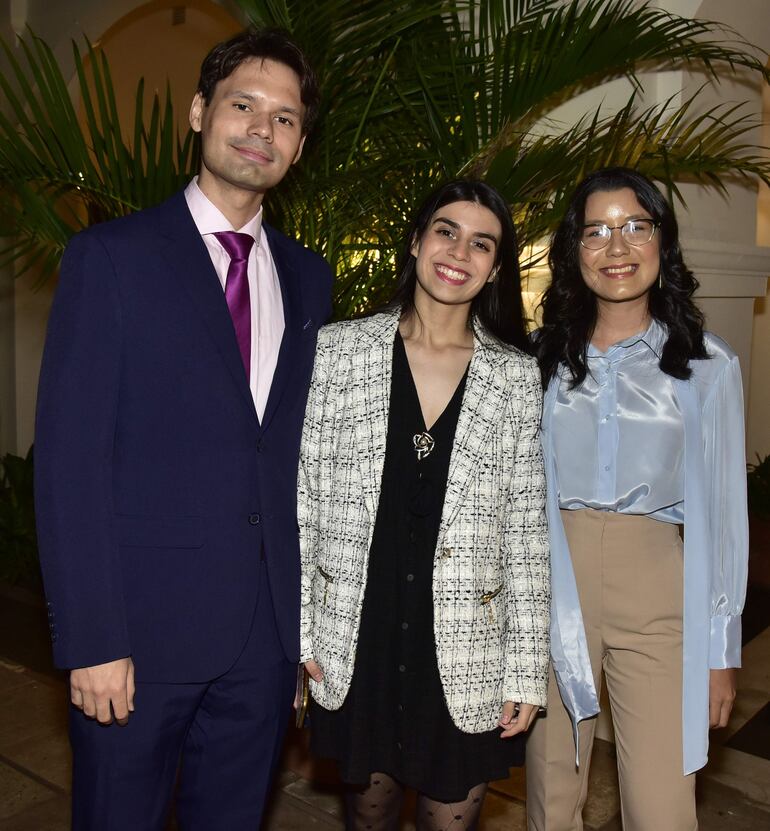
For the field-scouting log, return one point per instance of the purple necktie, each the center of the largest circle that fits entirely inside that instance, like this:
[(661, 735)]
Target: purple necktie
[(238, 247)]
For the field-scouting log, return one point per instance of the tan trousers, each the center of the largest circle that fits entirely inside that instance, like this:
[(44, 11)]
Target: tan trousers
[(629, 575)]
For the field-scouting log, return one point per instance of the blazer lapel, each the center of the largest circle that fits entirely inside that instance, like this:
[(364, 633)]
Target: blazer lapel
[(190, 264), (372, 371), (483, 402), (292, 329)]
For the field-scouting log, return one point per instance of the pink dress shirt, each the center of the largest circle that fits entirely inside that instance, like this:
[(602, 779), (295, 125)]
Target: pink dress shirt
[(267, 320)]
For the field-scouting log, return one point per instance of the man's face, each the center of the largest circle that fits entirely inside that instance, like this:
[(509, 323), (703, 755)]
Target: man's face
[(251, 130)]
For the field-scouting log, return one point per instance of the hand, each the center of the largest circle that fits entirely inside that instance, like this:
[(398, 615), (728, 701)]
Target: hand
[(104, 692), (516, 718), (722, 686), (314, 671)]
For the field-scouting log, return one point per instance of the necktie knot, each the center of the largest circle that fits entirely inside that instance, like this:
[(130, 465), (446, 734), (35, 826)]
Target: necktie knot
[(238, 246)]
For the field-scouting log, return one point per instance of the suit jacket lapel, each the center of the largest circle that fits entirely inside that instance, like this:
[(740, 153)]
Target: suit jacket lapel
[(292, 308), (484, 400), (190, 264), (372, 370)]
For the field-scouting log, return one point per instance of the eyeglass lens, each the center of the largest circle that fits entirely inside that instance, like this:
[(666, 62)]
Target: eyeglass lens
[(634, 232)]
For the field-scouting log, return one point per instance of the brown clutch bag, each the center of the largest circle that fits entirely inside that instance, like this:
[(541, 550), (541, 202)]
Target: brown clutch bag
[(302, 698)]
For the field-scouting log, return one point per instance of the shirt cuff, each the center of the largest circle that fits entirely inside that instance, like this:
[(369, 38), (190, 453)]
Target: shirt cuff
[(725, 644)]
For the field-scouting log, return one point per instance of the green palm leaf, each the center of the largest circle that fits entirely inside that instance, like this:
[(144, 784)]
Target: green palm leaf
[(58, 175), (413, 93)]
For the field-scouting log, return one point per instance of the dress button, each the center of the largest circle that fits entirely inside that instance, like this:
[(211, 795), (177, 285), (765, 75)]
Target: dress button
[(398, 745), (254, 519), (401, 668), (409, 578), (404, 625), (400, 708)]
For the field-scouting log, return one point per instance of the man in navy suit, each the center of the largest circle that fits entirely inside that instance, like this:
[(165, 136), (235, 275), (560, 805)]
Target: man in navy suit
[(172, 393)]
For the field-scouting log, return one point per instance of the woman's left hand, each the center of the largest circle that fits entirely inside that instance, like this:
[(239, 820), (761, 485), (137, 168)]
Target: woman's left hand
[(516, 718), (722, 686)]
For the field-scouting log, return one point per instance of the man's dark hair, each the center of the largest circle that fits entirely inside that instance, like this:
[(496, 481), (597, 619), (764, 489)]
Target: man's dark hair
[(262, 44)]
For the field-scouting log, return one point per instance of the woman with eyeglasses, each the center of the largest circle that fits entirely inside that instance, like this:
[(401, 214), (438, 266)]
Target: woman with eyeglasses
[(643, 435)]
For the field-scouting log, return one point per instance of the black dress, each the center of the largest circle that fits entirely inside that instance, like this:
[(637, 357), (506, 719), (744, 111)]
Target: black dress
[(394, 719)]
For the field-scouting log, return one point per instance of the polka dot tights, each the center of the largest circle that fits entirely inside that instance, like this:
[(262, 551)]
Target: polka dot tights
[(377, 807)]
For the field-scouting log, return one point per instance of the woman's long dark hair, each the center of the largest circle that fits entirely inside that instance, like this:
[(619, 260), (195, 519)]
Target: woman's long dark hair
[(569, 306), (497, 307)]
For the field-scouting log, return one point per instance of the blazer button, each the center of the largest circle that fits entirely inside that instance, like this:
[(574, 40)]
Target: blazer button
[(446, 553), (254, 519)]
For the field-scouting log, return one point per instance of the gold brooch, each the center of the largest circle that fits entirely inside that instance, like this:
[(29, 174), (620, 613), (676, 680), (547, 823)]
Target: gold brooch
[(423, 444)]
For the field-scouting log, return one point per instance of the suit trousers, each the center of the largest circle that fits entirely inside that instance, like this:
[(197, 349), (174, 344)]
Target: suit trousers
[(222, 738), (629, 572)]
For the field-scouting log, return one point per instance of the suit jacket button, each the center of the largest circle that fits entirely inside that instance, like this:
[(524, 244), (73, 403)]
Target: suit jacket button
[(254, 519)]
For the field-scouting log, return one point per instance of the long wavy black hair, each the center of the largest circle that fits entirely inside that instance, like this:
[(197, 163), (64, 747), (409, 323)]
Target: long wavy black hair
[(569, 306), (497, 307)]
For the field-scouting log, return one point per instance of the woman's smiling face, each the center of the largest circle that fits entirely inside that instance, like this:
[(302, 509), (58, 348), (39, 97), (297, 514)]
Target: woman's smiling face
[(619, 272), (456, 254)]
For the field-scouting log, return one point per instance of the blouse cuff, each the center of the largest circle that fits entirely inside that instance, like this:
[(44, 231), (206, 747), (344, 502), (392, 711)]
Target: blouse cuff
[(725, 648)]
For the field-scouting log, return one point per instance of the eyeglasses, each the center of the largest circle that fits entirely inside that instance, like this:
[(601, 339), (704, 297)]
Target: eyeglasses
[(634, 232)]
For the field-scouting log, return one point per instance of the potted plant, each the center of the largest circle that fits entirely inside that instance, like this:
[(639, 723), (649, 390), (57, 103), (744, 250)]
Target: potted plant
[(18, 540)]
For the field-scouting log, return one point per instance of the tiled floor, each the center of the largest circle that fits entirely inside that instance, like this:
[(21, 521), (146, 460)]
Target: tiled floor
[(734, 790)]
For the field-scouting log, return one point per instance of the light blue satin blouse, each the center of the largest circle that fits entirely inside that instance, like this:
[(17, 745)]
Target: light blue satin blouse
[(618, 438), (705, 452)]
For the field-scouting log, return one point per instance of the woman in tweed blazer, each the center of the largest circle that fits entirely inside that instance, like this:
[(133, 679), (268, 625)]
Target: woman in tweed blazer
[(457, 310)]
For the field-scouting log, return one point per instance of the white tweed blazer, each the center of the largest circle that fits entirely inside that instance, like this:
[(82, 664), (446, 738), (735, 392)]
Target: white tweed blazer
[(491, 575)]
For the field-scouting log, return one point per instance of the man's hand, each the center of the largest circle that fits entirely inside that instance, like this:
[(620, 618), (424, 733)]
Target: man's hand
[(516, 718), (722, 686), (104, 692)]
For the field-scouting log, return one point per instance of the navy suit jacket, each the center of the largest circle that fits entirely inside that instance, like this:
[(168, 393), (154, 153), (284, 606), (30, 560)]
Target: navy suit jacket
[(157, 488)]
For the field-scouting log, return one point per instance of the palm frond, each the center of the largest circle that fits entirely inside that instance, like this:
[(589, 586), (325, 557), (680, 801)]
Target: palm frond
[(413, 93), (59, 175)]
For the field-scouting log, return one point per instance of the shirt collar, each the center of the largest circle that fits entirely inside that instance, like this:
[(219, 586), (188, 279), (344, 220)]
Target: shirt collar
[(209, 219), (653, 338)]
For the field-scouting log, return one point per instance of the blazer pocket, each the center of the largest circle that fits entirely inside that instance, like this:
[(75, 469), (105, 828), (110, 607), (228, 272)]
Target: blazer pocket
[(487, 604), (326, 582), (159, 532)]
